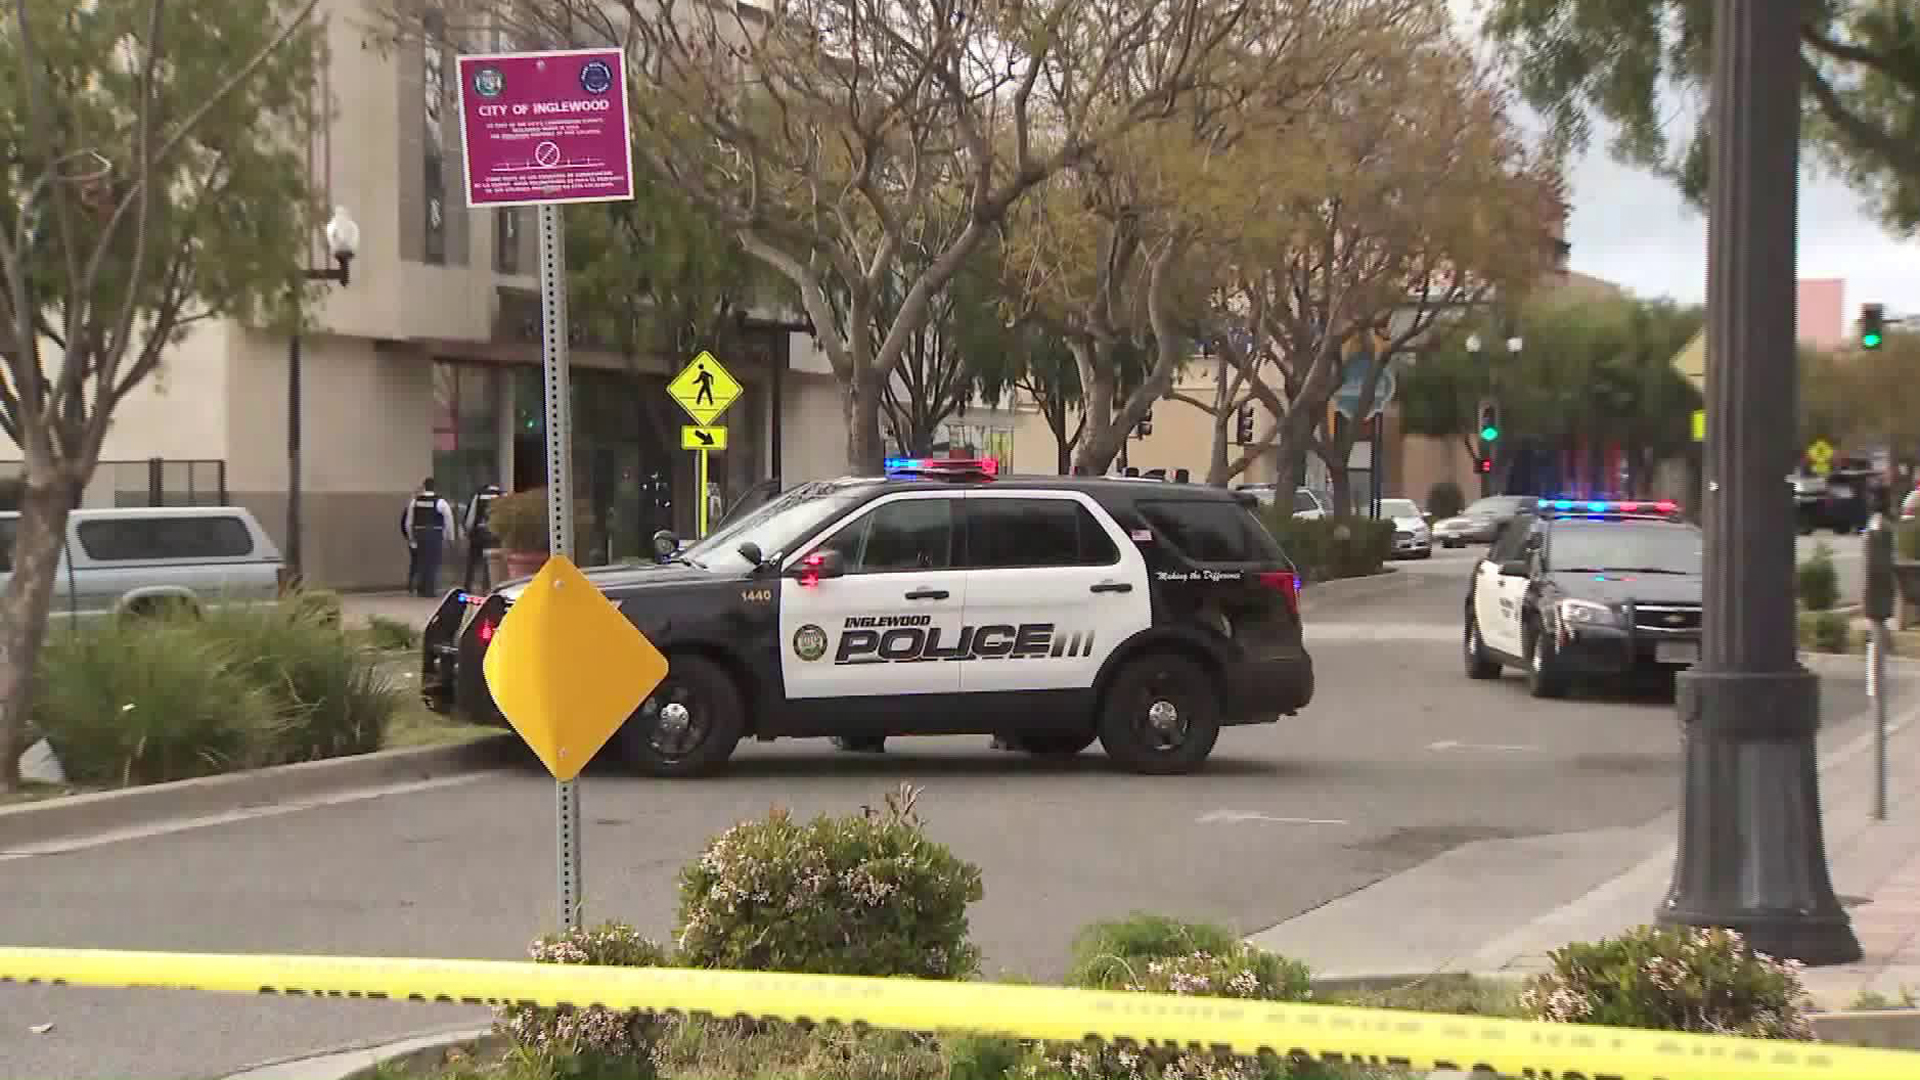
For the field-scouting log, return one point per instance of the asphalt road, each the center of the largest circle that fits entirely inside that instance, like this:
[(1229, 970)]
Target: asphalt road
[(1399, 758)]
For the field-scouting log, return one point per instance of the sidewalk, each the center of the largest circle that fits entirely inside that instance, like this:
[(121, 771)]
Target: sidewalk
[(409, 609), (1497, 908)]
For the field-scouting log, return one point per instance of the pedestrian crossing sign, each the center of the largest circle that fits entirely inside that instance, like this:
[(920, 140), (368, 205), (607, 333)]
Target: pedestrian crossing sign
[(704, 388)]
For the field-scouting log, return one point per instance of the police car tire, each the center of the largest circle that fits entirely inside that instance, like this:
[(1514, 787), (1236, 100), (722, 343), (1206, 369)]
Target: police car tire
[(718, 696), (1544, 680), (1181, 682), (1474, 648)]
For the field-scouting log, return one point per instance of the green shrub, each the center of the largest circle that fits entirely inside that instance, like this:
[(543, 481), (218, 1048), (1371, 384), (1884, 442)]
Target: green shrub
[(1101, 946), (321, 604), (1323, 549), (1816, 582), (1672, 979), (144, 701), (332, 697), (594, 1041), (859, 895), (391, 634), (1825, 631), (1445, 499)]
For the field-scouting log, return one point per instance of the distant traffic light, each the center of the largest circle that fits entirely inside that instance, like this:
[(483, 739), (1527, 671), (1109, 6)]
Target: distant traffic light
[(1489, 421), (1873, 325), (1245, 431), (1484, 466)]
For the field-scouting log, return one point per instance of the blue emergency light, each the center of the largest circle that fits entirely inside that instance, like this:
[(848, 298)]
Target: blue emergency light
[(988, 466), (1610, 506)]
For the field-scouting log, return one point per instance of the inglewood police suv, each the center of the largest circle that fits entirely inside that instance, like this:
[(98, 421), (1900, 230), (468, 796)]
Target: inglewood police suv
[(943, 599)]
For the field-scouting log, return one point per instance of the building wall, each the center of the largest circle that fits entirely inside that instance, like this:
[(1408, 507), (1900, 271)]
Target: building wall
[(1821, 311)]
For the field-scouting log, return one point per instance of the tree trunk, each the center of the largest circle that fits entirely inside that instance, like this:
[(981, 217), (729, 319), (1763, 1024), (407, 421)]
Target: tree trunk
[(860, 404), (1098, 440), (1342, 488), (23, 614), (1217, 465)]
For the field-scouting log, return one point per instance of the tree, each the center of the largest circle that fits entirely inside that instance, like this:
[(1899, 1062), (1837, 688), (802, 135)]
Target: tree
[(823, 131), (1633, 63), (1855, 396), (1424, 202), (156, 181), (932, 380)]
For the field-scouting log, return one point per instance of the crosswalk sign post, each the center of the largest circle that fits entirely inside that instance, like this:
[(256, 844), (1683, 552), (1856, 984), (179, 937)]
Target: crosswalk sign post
[(705, 389)]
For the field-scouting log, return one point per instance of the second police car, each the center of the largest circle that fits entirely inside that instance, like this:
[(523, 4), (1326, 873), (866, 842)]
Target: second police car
[(942, 599), (1586, 589)]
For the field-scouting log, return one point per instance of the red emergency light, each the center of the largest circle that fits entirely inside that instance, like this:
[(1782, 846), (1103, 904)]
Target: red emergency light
[(903, 466)]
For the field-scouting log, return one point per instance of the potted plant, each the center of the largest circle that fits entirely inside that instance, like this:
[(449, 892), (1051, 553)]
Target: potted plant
[(519, 522)]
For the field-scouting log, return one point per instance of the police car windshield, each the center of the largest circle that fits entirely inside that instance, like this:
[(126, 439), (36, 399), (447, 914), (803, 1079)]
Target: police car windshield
[(776, 526), (1625, 546)]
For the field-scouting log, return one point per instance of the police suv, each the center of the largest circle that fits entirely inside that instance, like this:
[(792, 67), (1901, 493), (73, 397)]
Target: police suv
[(1585, 588), (944, 599)]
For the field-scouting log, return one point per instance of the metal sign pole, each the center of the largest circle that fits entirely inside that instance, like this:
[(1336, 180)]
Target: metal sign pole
[(553, 341), (700, 486), (1878, 604)]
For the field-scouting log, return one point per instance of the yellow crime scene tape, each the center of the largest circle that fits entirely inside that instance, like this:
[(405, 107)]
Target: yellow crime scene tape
[(1327, 1033)]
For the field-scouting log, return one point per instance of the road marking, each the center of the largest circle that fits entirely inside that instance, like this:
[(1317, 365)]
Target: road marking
[(1235, 817), (246, 813), (1504, 748)]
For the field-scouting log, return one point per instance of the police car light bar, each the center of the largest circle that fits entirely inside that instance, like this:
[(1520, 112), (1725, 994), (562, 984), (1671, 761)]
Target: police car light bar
[(924, 466), (1612, 506)]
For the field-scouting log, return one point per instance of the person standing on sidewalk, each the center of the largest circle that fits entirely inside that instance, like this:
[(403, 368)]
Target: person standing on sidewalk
[(425, 523), (480, 537)]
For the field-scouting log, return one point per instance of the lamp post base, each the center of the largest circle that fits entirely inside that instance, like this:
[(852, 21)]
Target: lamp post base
[(1752, 854)]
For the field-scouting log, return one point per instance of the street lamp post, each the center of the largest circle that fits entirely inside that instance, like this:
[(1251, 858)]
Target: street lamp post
[(1752, 856), (343, 243)]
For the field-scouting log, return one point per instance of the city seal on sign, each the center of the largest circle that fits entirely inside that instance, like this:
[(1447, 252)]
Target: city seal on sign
[(596, 77), (809, 643), (488, 82)]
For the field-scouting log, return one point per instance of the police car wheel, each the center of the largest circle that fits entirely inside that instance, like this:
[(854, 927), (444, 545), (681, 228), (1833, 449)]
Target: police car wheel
[(1160, 715), (1479, 664), (689, 725), (1544, 679)]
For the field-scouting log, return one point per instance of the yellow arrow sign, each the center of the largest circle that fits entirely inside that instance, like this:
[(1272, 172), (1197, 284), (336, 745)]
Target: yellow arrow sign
[(704, 388), (1699, 425), (694, 437), (567, 669)]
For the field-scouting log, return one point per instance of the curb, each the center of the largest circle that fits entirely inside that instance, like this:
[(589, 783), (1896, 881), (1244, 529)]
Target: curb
[(430, 1047), (1887, 1029), (141, 807)]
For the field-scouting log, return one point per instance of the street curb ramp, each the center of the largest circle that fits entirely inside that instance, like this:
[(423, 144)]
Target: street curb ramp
[(1285, 1030), (72, 816)]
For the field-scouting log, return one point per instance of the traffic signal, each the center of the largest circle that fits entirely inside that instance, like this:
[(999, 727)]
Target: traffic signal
[(1246, 425), (1873, 325), (1489, 421), (1145, 427), (1484, 466)]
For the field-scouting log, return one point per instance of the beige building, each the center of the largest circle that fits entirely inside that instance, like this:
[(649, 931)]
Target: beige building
[(428, 363)]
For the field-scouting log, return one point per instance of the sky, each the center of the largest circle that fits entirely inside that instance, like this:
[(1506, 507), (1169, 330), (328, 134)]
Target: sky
[(1634, 229)]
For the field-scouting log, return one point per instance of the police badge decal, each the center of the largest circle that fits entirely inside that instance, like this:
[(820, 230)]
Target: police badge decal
[(809, 643)]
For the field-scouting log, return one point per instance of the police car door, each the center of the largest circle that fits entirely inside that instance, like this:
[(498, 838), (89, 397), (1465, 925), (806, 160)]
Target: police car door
[(1497, 599), (884, 626), (1053, 585)]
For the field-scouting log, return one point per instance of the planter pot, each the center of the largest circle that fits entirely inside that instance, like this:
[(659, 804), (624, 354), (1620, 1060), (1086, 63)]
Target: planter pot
[(521, 564)]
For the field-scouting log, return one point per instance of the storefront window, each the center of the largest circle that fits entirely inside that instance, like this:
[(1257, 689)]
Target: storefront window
[(621, 470), (466, 430)]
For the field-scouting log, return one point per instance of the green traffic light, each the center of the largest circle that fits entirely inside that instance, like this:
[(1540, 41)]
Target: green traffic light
[(1870, 339), (1489, 433)]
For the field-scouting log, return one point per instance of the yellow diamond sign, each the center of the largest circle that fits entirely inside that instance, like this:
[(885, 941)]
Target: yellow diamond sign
[(704, 388), (567, 669)]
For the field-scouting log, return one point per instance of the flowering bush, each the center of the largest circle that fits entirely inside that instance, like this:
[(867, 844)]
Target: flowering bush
[(1676, 980), (1238, 971), (859, 895), (568, 1034)]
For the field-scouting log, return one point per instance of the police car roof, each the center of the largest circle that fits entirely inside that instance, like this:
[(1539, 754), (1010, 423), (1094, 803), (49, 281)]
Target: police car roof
[(1107, 487)]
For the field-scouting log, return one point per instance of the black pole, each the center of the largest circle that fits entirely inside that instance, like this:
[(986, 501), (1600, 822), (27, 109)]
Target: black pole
[(1752, 856), (293, 457)]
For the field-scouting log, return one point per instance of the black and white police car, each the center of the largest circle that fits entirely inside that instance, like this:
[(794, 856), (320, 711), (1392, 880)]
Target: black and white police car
[(1586, 588), (944, 599)]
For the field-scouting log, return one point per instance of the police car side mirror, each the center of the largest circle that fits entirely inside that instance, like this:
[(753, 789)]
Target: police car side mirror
[(750, 551), (819, 565), (1514, 568)]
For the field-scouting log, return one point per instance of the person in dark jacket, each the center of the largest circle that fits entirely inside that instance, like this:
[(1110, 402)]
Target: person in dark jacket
[(426, 523), (480, 537)]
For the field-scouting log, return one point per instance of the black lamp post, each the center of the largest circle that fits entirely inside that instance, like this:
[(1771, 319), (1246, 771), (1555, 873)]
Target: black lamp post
[(343, 242), (1752, 856)]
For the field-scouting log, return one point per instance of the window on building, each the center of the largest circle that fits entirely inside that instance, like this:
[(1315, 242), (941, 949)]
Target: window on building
[(466, 430)]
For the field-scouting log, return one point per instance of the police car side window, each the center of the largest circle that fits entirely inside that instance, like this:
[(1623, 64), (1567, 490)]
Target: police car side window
[(910, 534), (1511, 542), (1210, 531), (1009, 533)]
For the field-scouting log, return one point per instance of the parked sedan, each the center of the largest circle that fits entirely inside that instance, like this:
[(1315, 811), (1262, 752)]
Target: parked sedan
[(1411, 538), (1481, 520)]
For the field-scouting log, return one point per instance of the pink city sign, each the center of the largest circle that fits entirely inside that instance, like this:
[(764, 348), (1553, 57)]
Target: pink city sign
[(545, 127)]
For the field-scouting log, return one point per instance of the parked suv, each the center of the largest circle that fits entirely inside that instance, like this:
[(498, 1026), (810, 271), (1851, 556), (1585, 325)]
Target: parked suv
[(139, 559), (942, 599)]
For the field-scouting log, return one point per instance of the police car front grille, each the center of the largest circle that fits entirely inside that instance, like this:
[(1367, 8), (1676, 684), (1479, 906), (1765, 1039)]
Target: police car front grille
[(1666, 618)]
